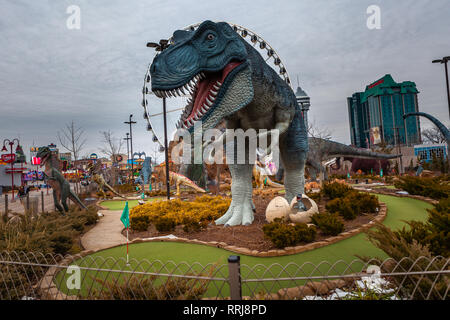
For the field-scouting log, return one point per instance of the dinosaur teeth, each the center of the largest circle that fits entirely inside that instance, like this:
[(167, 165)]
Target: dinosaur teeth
[(209, 102), (216, 87), (212, 98), (214, 93), (219, 83), (182, 91)]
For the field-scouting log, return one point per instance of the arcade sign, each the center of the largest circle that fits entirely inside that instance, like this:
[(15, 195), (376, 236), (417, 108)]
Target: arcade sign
[(8, 157), (93, 156), (35, 161)]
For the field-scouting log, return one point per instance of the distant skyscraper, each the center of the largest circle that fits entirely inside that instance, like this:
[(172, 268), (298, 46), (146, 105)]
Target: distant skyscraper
[(304, 103), (376, 115)]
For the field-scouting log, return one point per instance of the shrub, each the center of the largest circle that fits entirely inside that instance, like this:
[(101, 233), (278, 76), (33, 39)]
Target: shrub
[(138, 287), (316, 196), (61, 242), (163, 224), (193, 214), (125, 188), (335, 190), (329, 224), (434, 233), (364, 202), (344, 207), (353, 204), (435, 188), (285, 235)]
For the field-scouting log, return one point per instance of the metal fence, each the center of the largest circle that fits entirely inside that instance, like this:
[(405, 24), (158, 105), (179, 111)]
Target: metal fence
[(43, 276)]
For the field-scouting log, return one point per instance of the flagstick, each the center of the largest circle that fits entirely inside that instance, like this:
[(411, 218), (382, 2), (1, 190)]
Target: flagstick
[(128, 263)]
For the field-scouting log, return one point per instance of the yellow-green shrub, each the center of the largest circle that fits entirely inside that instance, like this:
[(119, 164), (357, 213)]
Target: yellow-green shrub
[(168, 214)]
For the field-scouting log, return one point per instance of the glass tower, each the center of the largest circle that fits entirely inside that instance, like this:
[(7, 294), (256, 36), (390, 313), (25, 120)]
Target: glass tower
[(376, 115)]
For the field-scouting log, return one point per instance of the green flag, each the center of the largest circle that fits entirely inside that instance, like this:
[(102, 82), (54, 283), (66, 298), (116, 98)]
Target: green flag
[(125, 217)]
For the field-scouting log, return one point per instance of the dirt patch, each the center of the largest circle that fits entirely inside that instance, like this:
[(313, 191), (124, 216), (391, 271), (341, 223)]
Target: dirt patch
[(251, 237)]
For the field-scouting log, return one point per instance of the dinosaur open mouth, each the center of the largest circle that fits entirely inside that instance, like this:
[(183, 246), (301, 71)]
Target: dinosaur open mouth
[(203, 89)]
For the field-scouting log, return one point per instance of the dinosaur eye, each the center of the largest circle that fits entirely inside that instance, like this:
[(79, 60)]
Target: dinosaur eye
[(210, 36)]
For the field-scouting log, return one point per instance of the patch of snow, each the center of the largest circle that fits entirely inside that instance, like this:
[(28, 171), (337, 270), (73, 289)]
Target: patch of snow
[(170, 236), (402, 192)]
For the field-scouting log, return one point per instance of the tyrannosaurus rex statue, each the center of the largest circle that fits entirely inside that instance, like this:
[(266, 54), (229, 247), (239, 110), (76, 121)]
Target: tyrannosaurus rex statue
[(61, 187), (229, 80)]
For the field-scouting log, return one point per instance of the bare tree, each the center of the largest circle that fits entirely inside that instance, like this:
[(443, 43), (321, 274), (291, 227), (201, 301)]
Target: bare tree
[(72, 139), (112, 145), (316, 132), (433, 135)]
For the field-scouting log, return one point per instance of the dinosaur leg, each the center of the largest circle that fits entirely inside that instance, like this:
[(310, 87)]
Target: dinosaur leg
[(294, 173), (56, 196), (240, 210), (64, 194)]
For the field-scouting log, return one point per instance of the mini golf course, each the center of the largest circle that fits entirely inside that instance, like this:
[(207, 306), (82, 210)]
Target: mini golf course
[(171, 254)]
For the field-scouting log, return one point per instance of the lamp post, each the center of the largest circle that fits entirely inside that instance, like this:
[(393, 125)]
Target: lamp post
[(131, 142), (166, 151), (128, 149), (4, 149), (444, 60)]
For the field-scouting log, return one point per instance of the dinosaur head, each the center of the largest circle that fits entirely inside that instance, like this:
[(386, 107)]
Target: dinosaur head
[(44, 153), (209, 63)]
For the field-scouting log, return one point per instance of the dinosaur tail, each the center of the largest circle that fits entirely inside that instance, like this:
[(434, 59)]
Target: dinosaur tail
[(114, 191), (273, 184), (77, 200), (442, 128), (341, 150), (189, 182)]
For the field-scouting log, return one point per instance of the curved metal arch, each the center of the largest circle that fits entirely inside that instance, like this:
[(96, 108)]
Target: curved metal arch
[(253, 39)]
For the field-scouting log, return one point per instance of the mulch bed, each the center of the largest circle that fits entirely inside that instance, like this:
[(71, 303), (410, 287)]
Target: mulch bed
[(251, 237)]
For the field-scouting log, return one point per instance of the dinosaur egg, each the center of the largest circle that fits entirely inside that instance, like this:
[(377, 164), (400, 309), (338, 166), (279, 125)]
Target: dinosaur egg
[(303, 216), (277, 208)]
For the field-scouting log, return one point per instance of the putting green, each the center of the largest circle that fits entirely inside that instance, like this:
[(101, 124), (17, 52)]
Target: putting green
[(399, 209), (120, 204)]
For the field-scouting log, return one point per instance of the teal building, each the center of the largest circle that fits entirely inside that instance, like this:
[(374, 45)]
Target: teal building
[(376, 115)]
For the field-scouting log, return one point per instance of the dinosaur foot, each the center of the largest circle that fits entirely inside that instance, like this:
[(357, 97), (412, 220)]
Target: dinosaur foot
[(239, 213)]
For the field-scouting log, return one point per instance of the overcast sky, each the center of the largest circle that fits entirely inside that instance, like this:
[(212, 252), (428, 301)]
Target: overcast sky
[(50, 75)]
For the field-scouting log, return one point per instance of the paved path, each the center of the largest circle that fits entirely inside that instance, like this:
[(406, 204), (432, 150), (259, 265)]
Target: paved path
[(18, 207), (106, 233)]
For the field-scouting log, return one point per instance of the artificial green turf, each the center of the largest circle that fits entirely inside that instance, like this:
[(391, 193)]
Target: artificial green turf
[(120, 204), (399, 209)]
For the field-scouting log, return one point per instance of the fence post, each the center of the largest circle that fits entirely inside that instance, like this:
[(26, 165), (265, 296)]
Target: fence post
[(234, 277), (6, 205), (42, 201)]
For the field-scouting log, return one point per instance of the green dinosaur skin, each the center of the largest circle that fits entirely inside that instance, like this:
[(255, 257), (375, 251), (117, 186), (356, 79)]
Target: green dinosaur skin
[(250, 96), (322, 150), (61, 187)]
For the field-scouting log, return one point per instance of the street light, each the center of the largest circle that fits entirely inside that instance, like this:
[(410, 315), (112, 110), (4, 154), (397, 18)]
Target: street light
[(444, 60), (128, 148), (131, 142)]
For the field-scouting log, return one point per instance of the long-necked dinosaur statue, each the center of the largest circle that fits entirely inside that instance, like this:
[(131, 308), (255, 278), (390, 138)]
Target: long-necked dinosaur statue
[(96, 175), (60, 186), (175, 178), (321, 150), (229, 80)]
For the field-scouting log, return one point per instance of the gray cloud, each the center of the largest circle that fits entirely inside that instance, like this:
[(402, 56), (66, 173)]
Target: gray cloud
[(51, 75)]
